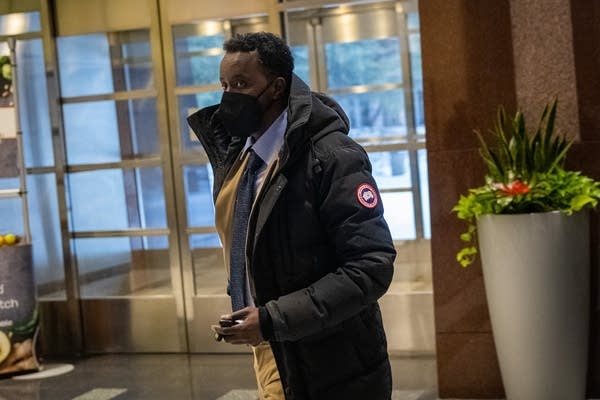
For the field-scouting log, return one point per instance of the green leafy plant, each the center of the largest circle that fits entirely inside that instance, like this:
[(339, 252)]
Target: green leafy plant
[(525, 174)]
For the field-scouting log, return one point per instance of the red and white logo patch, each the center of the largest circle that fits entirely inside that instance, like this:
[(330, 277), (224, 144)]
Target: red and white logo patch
[(367, 195)]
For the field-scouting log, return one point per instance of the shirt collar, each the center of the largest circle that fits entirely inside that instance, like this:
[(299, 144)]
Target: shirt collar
[(267, 146)]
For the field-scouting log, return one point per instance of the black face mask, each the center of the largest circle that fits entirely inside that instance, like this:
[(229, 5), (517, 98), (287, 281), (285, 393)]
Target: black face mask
[(240, 113)]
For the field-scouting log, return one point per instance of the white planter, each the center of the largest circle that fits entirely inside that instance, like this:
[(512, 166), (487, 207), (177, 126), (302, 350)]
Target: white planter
[(537, 279)]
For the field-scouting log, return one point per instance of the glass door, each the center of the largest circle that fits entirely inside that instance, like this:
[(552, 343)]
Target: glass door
[(196, 47), (149, 273), (367, 57), (119, 194)]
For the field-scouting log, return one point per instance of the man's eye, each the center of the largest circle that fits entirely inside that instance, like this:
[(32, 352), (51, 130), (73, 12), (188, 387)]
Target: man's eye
[(238, 85)]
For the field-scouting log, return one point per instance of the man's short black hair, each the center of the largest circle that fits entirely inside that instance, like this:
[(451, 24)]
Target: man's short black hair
[(272, 51)]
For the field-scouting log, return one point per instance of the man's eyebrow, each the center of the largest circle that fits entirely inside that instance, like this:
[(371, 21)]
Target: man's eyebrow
[(237, 76)]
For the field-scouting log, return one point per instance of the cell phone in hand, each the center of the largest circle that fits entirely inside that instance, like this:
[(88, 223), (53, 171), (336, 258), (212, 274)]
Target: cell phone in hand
[(226, 323)]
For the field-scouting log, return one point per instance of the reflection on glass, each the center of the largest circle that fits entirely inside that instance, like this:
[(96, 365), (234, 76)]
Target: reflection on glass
[(210, 275), (198, 52), (400, 215), (301, 65), (117, 199), (33, 101), (18, 23), (104, 63), (375, 115), (189, 104), (46, 235), (417, 81), (424, 178), (110, 131), (391, 170), (205, 241), (364, 62), (412, 20), (11, 220), (122, 266), (198, 182), (9, 183)]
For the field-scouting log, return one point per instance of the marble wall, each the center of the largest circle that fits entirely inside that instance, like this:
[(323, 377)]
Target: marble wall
[(478, 55)]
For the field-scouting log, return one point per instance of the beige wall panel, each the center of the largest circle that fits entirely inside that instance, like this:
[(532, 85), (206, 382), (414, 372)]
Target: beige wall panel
[(76, 17), (15, 6), (179, 11), (351, 27)]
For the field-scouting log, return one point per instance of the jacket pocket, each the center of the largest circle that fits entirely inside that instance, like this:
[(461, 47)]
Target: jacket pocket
[(328, 359), (371, 343)]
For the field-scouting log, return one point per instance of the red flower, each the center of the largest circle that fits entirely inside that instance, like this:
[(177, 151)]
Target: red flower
[(513, 188)]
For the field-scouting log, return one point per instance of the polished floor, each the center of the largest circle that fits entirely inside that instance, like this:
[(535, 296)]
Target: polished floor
[(183, 377)]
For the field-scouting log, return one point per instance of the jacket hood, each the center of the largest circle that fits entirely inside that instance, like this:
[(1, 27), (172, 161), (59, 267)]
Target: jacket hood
[(311, 116), (320, 113)]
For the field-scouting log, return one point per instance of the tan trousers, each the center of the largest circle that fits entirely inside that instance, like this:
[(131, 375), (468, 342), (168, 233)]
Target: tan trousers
[(267, 375)]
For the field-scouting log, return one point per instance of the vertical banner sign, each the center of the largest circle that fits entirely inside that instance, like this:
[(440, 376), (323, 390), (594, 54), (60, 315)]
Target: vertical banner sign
[(18, 311), (18, 304)]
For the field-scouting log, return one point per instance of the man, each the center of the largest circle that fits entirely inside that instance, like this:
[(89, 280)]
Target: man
[(316, 253)]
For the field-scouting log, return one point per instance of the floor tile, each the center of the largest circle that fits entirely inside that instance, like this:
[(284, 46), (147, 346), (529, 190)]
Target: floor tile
[(185, 377)]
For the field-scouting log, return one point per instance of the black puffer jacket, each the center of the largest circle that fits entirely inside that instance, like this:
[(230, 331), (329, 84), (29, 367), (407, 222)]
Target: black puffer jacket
[(319, 257)]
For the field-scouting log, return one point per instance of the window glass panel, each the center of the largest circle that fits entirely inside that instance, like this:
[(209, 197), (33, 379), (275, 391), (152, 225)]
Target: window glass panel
[(117, 199), (417, 81), (198, 70), (424, 178), (33, 99), (375, 115), (122, 266), (301, 65), (132, 61), (91, 132), (412, 20), (198, 52), (198, 181), (210, 275), (33, 102), (399, 214), (391, 170), (9, 183), (189, 104), (205, 240), (12, 216), (156, 242), (84, 59), (364, 62), (17, 23), (110, 131), (46, 235), (45, 230), (89, 65)]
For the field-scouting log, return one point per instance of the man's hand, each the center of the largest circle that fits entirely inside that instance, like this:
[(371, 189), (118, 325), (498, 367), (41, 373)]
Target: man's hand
[(247, 331)]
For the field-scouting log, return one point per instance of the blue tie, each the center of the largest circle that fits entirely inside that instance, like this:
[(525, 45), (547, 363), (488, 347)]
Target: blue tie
[(243, 205)]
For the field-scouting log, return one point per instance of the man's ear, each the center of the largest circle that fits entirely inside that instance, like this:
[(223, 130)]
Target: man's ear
[(279, 88)]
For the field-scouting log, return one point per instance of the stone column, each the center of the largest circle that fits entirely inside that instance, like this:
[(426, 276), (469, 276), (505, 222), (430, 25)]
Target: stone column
[(467, 71), (585, 155), (544, 62)]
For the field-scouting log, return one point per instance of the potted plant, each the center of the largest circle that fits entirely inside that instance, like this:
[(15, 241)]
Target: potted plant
[(529, 224)]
